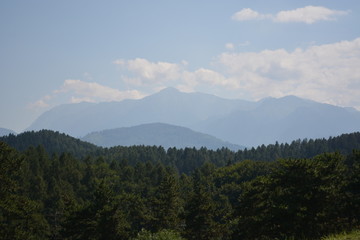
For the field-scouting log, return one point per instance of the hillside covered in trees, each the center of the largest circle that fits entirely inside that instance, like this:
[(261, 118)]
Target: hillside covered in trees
[(74, 190), (183, 160)]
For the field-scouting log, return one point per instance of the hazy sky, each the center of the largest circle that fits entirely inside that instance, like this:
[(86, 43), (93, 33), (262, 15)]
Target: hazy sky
[(56, 52)]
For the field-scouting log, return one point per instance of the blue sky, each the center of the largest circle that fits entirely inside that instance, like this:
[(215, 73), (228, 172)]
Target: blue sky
[(57, 52)]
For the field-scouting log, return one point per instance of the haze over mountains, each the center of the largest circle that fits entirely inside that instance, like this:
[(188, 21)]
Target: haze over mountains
[(168, 106), (5, 131), (237, 121), (284, 120), (158, 134)]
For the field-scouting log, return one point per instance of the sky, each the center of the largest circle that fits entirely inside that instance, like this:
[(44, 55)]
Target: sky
[(63, 52)]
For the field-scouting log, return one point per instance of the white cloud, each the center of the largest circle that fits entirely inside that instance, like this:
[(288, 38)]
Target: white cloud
[(149, 73), (327, 73), (158, 75), (81, 99), (94, 92), (79, 91), (208, 77), (248, 14), (308, 14)]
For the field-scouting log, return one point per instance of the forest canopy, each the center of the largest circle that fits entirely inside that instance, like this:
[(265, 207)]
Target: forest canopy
[(142, 192)]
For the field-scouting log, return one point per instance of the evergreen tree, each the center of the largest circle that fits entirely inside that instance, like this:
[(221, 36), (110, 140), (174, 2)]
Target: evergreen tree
[(20, 217), (199, 211), (167, 205), (298, 194)]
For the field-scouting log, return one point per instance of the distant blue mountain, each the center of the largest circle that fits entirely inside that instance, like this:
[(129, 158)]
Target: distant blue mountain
[(168, 106), (5, 132), (158, 134), (240, 122), (283, 120)]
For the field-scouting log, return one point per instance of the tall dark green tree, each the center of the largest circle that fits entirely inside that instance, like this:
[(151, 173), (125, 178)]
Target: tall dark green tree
[(297, 195), (19, 216), (167, 205), (199, 211)]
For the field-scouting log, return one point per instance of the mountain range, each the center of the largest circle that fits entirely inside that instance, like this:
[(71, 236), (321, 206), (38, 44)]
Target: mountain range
[(158, 134), (168, 106), (237, 121)]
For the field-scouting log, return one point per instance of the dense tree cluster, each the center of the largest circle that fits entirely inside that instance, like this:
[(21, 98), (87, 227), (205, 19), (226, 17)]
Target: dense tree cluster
[(53, 142), (149, 193), (183, 160)]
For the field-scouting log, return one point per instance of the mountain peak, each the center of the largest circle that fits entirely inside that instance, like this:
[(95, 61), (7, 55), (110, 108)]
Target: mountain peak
[(294, 98), (287, 97), (291, 101), (169, 90), (244, 123)]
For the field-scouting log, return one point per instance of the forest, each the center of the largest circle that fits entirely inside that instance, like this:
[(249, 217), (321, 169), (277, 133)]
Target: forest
[(54, 186)]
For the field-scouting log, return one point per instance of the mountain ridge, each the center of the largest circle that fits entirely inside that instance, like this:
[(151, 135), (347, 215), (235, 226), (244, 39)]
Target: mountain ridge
[(176, 108), (53, 142), (237, 121), (158, 134), (276, 120)]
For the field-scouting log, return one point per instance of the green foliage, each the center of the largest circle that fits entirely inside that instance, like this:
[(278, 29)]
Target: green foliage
[(302, 148), (296, 195), (167, 204), (19, 216), (177, 194), (200, 209), (53, 142), (161, 235), (353, 235), (183, 160)]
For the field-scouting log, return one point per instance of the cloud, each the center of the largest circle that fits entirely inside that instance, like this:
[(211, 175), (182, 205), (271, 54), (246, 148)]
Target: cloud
[(158, 75), (308, 14), (248, 14), (327, 73), (79, 91), (94, 92), (208, 77), (149, 73)]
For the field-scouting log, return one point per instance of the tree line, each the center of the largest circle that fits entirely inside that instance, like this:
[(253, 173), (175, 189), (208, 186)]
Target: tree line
[(182, 160), (149, 193)]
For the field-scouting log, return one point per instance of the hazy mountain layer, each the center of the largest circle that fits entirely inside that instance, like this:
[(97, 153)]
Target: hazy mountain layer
[(283, 120), (168, 106), (5, 131), (236, 121), (158, 134)]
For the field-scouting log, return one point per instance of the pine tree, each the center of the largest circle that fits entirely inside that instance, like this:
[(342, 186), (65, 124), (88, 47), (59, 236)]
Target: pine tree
[(199, 211), (20, 217), (167, 205)]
